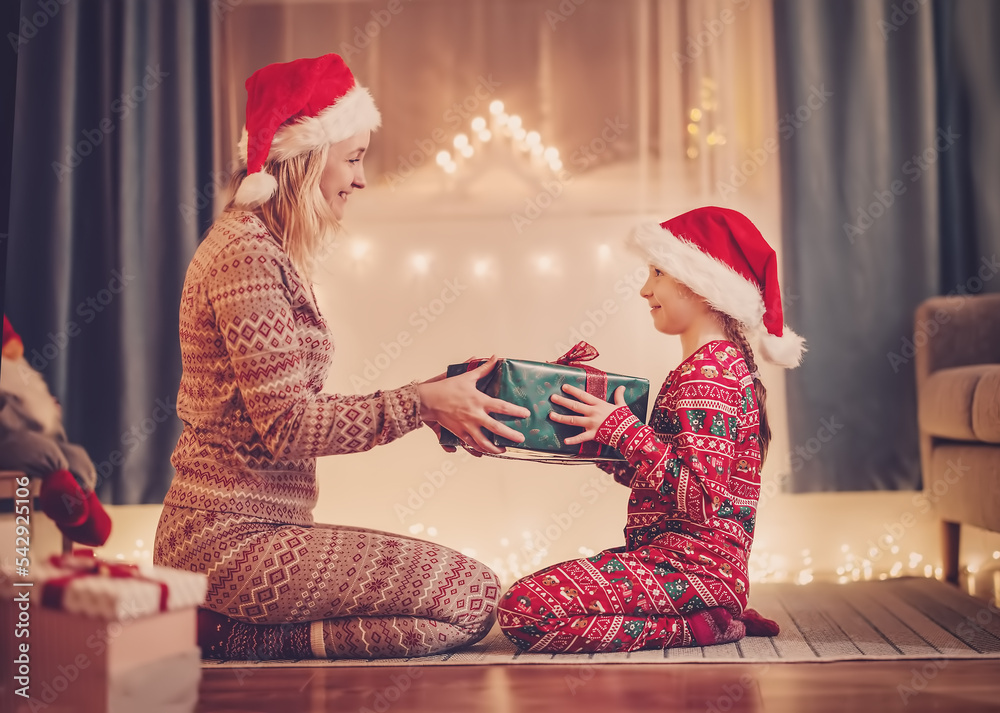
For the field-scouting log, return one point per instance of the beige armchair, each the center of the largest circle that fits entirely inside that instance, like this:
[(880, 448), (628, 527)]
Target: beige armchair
[(957, 359)]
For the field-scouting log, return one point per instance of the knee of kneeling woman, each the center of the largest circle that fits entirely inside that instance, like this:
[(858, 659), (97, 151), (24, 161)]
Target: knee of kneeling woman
[(481, 601)]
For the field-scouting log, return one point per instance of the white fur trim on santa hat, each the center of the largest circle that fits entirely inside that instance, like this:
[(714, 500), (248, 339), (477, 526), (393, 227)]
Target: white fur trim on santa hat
[(721, 286), (19, 379), (255, 189), (785, 351), (352, 113)]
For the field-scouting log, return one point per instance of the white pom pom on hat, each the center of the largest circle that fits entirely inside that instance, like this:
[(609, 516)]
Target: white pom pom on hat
[(256, 188)]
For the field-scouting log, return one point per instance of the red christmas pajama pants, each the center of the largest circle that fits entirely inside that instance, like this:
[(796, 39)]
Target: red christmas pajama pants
[(613, 601)]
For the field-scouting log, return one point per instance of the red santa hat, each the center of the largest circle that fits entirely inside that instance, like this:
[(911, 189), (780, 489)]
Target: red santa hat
[(294, 108), (9, 335), (721, 256)]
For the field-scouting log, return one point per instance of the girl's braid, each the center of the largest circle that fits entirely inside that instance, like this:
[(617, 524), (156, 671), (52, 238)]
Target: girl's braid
[(734, 332)]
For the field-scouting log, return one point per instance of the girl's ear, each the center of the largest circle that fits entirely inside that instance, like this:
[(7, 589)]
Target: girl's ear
[(686, 293)]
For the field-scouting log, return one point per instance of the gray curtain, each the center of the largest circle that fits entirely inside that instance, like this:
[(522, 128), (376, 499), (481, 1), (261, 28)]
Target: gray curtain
[(874, 220), (112, 132), (9, 20), (968, 100)]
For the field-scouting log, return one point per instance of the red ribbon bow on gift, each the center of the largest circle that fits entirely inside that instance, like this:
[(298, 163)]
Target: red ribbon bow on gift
[(581, 352), (596, 385), (84, 563)]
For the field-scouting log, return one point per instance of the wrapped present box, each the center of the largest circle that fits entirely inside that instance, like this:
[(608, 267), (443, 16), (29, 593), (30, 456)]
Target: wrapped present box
[(102, 636), (532, 383)]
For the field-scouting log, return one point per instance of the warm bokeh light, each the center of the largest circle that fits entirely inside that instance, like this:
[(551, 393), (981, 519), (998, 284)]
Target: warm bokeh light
[(359, 248), (421, 262)]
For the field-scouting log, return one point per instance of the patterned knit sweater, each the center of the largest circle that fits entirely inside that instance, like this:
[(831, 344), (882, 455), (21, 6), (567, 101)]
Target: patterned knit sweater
[(255, 353), (694, 470)]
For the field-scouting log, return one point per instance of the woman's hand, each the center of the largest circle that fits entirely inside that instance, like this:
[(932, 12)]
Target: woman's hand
[(593, 411), (456, 404), (436, 427)]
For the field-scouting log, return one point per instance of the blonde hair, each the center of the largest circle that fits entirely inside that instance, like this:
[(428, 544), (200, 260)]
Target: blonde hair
[(298, 214)]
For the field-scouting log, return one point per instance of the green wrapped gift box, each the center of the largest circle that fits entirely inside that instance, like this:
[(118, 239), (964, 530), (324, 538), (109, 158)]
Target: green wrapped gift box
[(532, 383)]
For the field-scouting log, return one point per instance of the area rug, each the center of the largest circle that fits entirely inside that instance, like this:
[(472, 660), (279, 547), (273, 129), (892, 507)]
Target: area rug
[(907, 618)]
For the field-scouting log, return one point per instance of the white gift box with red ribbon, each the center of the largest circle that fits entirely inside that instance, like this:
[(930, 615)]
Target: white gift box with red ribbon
[(103, 636), (83, 584)]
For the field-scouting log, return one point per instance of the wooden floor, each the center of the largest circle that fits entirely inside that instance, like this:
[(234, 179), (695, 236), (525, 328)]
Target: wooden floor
[(912, 686)]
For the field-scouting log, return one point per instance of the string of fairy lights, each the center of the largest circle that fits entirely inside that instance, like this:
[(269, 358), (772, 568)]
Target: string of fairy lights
[(519, 558), (420, 262), (500, 128), (703, 129)]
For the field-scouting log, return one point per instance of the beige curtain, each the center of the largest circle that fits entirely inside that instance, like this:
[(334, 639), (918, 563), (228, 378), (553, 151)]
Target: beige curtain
[(693, 80), (654, 107)]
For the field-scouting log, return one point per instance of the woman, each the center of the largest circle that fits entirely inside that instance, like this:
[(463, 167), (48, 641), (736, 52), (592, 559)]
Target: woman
[(255, 351)]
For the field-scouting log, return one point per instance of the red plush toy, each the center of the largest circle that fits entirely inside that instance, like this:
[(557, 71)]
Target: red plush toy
[(32, 440)]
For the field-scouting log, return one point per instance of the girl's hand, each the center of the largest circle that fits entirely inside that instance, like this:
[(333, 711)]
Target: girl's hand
[(456, 404), (593, 411)]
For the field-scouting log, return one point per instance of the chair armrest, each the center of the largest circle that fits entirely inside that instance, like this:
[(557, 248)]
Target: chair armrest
[(956, 331)]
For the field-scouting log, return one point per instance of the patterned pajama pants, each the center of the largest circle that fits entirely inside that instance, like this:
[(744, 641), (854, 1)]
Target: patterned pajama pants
[(365, 593), (614, 601)]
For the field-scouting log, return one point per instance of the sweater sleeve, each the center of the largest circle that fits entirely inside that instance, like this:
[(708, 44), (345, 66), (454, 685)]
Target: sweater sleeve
[(252, 296), (692, 466)]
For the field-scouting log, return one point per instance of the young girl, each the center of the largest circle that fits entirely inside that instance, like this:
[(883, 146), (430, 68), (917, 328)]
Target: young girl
[(681, 579)]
